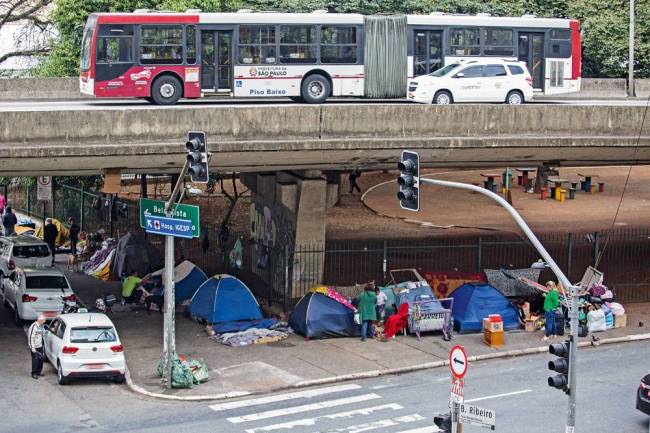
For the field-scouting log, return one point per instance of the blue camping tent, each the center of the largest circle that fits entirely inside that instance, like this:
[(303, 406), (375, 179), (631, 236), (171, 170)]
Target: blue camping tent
[(187, 279), (474, 302), (224, 298), (319, 316)]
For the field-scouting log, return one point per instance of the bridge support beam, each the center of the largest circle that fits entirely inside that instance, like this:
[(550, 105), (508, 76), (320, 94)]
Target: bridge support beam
[(288, 221)]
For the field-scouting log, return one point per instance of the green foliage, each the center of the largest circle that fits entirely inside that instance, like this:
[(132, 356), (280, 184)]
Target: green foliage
[(604, 23)]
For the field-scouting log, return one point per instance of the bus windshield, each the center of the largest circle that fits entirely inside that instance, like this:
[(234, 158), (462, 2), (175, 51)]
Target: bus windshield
[(443, 71), (86, 43)]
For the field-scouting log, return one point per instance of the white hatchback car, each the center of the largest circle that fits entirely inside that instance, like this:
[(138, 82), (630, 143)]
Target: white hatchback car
[(23, 251), (84, 345), (33, 291), (480, 80)]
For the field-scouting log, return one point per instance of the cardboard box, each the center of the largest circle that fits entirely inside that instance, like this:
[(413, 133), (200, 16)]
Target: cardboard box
[(529, 325), (492, 326), (493, 339), (620, 321)]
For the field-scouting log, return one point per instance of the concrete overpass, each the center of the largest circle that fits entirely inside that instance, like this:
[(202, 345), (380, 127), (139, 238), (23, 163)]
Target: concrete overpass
[(262, 138)]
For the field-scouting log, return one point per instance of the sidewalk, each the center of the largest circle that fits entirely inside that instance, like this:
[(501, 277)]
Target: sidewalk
[(294, 361)]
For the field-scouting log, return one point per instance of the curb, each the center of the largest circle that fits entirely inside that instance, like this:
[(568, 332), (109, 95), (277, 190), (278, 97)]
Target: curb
[(371, 373)]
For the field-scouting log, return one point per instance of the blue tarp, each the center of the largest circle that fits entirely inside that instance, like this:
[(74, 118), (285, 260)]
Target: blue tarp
[(474, 302), (224, 298), (242, 325), (319, 316)]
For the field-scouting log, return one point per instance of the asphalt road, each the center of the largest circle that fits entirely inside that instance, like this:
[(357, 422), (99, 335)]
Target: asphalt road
[(516, 388), (134, 104)]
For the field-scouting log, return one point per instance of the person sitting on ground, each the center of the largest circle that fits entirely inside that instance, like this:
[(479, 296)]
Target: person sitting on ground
[(129, 293), (551, 303)]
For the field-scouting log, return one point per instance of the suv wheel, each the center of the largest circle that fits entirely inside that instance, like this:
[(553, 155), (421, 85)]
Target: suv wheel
[(443, 97), (514, 98)]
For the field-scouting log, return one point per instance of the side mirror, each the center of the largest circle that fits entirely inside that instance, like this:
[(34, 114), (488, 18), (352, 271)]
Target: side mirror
[(459, 75)]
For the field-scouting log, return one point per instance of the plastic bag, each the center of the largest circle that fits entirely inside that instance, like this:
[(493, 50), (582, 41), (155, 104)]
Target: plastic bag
[(357, 318), (182, 376), (199, 370), (596, 321)]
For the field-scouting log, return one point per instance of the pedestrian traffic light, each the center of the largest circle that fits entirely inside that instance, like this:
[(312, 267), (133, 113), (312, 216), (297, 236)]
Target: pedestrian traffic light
[(409, 181), (197, 156), (443, 422), (560, 365)]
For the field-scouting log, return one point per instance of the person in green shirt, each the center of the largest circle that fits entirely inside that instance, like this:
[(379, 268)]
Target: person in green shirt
[(129, 295), (551, 303), (367, 310)]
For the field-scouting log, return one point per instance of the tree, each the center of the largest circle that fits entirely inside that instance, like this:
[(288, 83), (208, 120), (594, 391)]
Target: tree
[(35, 29)]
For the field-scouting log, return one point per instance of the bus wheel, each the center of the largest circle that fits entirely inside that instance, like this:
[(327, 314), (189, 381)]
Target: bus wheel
[(166, 90), (443, 97), (315, 89)]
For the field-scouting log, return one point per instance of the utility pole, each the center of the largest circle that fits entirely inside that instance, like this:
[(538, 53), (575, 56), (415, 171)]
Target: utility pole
[(630, 66), (169, 337), (573, 293)]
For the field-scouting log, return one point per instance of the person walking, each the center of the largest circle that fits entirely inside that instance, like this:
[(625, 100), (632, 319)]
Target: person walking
[(9, 222), (353, 176), (367, 302), (74, 235), (3, 203), (50, 233), (551, 303), (35, 342)]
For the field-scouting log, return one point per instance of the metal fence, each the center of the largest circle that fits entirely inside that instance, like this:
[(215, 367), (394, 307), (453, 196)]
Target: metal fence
[(282, 274)]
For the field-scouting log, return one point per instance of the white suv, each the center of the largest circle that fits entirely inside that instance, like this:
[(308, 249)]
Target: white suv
[(480, 80), (33, 291), (22, 251)]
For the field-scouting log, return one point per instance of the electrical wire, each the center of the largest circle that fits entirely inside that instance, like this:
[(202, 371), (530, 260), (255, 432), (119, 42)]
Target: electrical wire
[(627, 181)]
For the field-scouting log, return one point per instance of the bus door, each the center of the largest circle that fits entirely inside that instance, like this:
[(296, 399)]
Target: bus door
[(216, 60), (531, 51), (427, 51)]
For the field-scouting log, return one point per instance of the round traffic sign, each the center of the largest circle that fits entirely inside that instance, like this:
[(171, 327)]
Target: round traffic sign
[(458, 361)]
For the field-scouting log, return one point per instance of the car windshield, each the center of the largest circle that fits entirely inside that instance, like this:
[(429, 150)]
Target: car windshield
[(444, 70), (93, 334), (28, 251), (46, 282)]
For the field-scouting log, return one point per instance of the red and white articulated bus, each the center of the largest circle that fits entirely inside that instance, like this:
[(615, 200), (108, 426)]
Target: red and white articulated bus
[(162, 56)]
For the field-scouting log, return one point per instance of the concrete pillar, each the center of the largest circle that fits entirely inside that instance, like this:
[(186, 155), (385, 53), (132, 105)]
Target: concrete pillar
[(288, 212)]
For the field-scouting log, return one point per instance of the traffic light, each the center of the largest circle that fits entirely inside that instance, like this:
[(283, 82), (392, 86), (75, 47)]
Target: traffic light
[(197, 156), (560, 365), (409, 181), (443, 422)]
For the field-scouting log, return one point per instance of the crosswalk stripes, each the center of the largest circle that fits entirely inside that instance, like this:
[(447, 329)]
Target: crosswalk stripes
[(383, 417)]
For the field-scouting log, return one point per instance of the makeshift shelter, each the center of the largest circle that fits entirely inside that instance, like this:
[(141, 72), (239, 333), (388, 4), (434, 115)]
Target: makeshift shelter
[(187, 279), (508, 281), (319, 316), (474, 302), (61, 238), (224, 298), (135, 253)]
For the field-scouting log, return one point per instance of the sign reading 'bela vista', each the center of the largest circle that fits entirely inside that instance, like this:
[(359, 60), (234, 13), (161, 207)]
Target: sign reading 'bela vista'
[(188, 212)]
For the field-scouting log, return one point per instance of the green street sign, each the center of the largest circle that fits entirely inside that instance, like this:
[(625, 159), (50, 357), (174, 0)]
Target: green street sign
[(180, 211)]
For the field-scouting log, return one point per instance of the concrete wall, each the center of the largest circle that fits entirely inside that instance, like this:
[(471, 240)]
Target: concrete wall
[(40, 88), (68, 88)]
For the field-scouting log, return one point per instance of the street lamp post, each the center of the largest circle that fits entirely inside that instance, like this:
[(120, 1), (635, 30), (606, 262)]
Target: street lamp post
[(573, 295), (630, 62)]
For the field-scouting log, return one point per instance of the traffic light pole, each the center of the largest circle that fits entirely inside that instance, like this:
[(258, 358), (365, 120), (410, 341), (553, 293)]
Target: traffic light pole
[(573, 295), (169, 331)]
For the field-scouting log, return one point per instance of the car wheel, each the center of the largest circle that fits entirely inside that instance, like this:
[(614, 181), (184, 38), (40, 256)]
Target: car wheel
[(119, 379), (17, 320), (59, 375), (166, 90), (514, 98), (443, 97), (315, 89)]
